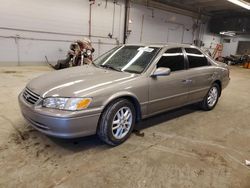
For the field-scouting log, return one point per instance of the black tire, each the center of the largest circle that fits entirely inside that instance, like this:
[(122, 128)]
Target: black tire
[(104, 130), (204, 104)]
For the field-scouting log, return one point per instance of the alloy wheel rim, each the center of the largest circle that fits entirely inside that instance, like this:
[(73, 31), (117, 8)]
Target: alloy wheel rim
[(122, 122), (212, 96)]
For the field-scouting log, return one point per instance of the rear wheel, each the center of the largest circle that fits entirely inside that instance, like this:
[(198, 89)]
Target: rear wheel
[(211, 99), (117, 122)]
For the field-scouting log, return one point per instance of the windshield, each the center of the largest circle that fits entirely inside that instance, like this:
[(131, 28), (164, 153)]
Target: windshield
[(132, 59)]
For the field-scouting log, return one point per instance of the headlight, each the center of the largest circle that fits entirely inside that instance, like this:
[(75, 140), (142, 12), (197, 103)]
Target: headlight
[(71, 104)]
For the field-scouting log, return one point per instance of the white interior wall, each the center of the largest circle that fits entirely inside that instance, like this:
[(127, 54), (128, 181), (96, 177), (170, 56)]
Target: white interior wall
[(231, 48), (149, 25), (209, 39), (58, 16), (71, 19)]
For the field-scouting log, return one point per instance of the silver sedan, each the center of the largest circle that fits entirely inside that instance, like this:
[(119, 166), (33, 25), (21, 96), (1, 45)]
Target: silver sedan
[(121, 87)]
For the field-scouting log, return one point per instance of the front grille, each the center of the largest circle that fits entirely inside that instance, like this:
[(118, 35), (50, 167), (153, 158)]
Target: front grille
[(30, 96)]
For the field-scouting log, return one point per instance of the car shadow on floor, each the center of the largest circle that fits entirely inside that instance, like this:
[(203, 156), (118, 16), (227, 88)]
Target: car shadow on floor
[(80, 144), (90, 142), (166, 116)]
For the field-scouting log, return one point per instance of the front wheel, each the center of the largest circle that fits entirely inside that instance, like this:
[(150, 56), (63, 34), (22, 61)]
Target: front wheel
[(211, 99), (117, 122)]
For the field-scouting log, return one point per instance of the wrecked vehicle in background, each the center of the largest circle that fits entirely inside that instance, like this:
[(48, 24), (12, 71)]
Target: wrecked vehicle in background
[(80, 53)]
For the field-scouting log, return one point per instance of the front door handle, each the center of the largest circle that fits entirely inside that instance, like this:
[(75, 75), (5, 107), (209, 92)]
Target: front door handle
[(187, 81)]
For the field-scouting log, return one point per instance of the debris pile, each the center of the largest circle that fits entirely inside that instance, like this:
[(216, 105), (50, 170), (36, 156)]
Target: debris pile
[(80, 53)]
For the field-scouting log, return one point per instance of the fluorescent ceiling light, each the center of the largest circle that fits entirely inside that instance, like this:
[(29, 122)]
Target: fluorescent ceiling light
[(228, 33), (241, 3)]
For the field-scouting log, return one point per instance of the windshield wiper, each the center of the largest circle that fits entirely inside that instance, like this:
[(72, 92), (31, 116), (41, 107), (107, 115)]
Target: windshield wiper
[(111, 67), (94, 64), (132, 71)]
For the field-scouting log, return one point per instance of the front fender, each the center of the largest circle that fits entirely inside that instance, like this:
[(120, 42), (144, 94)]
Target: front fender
[(119, 95), (139, 109)]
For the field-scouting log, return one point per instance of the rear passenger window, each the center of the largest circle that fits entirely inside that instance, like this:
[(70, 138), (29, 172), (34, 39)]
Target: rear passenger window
[(196, 58), (173, 58)]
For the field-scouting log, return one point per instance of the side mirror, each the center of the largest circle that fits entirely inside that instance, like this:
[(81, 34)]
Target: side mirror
[(161, 71)]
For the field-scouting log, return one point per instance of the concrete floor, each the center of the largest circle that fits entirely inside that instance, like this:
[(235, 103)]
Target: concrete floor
[(183, 148)]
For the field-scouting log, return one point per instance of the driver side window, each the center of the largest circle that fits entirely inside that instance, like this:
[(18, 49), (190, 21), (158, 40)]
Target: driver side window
[(173, 58)]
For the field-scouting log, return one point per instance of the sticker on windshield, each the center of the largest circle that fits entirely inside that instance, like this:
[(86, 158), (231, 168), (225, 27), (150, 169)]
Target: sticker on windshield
[(145, 49)]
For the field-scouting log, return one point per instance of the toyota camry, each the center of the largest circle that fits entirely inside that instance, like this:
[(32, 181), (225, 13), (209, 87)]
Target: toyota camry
[(123, 86)]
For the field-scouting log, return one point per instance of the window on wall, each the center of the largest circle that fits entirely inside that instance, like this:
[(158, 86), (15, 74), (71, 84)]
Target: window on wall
[(173, 58), (196, 58), (226, 40)]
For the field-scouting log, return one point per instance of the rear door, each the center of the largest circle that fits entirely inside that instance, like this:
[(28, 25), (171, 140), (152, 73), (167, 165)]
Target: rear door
[(170, 91), (200, 74)]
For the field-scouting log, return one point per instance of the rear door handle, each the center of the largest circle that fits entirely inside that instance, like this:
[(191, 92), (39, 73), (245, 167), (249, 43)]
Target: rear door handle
[(212, 76), (187, 81)]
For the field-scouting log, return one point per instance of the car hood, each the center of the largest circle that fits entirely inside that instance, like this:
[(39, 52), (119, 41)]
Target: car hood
[(76, 82)]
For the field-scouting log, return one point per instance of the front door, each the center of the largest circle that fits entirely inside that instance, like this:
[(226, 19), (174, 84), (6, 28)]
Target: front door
[(166, 92)]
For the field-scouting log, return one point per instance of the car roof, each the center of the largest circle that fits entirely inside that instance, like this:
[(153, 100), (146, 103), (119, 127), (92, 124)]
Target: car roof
[(168, 45)]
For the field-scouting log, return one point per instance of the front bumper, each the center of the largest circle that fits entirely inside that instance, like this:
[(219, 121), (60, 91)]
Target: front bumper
[(62, 125)]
